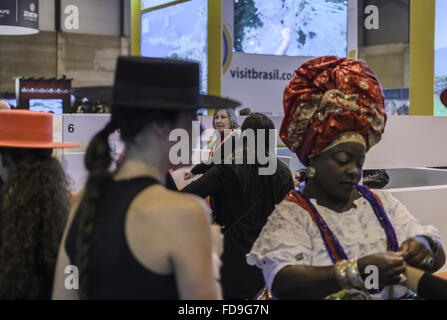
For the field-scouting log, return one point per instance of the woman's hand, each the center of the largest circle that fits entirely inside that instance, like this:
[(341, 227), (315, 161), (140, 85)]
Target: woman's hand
[(390, 265), (187, 174), (417, 253)]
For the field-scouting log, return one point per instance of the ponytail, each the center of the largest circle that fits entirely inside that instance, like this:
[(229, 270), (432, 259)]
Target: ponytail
[(97, 161)]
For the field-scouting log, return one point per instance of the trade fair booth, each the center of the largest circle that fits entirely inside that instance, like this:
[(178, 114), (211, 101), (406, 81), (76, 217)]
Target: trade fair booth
[(278, 60)]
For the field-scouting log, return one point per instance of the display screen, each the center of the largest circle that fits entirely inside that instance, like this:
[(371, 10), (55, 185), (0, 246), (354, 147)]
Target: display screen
[(291, 27), (440, 56), (146, 4), (46, 105), (178, 32), (11, 102)]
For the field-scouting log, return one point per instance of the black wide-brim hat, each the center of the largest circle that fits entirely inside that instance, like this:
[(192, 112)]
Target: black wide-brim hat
[(155, 84)]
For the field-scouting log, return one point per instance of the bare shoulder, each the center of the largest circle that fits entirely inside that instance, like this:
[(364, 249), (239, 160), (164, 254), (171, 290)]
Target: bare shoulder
[(160, 204), (161, 223)]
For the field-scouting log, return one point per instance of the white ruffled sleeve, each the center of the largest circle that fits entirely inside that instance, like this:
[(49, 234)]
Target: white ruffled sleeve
[(405, 224), (285, 240)]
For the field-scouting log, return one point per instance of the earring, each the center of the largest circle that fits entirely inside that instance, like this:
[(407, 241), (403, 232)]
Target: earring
[(310, 172)]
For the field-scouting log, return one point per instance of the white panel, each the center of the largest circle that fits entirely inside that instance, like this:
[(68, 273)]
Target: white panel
[(410, 141), (100, 17), (80, 128)]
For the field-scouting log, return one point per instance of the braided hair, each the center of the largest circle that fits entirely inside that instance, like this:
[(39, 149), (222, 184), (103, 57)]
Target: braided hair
[(97, 161), (130, 122)]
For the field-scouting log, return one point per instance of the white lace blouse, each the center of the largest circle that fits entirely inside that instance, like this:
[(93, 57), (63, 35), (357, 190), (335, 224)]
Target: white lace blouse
[(290, 237)]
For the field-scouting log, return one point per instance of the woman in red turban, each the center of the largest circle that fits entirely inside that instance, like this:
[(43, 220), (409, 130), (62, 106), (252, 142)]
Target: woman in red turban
[(335, 235)]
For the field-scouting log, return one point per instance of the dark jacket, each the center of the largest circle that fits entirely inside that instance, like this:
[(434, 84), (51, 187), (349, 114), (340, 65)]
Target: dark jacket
[(242, 222)]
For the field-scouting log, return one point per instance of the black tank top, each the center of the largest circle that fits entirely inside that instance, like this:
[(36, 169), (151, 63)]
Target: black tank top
[(114, 272)]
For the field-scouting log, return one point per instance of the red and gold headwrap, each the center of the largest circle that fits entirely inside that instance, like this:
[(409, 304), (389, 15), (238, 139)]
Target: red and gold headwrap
[(332, 100)]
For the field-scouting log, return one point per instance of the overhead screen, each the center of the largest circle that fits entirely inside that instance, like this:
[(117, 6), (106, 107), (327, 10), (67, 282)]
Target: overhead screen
[(291, 27), (177, 32)]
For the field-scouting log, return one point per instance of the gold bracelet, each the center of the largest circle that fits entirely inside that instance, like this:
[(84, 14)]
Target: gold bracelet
[(341, 274), (353, 274)]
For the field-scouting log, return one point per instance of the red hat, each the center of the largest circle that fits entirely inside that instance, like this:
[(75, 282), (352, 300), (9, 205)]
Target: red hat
[(27, 129), (332, 99)]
